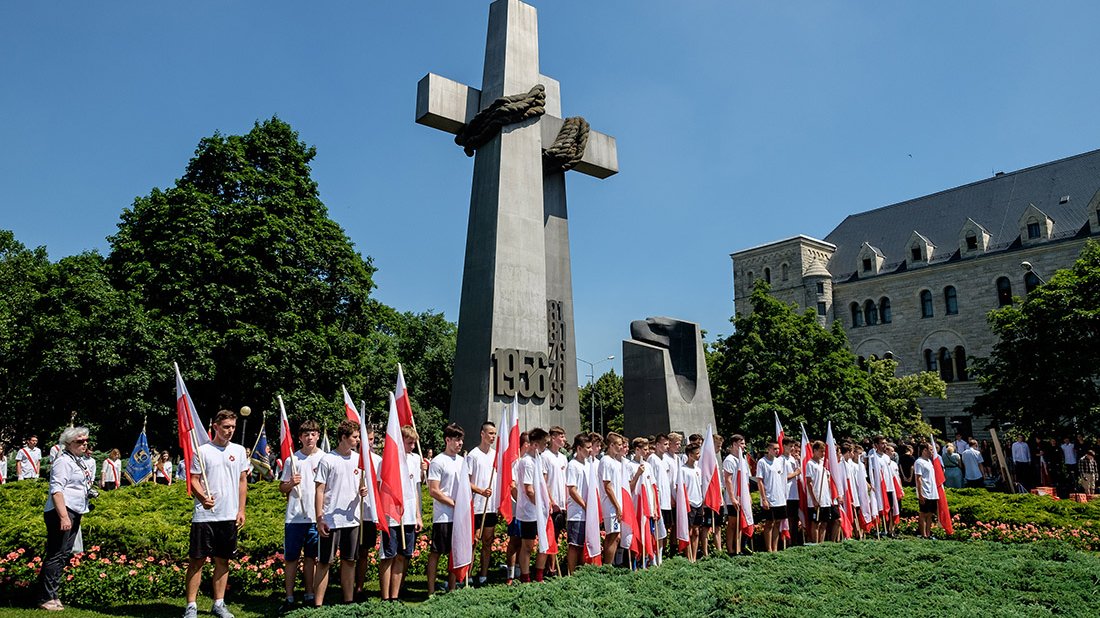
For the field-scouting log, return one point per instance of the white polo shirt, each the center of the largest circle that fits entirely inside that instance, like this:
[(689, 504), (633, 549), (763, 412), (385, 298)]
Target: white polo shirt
[(772, 476), (576, 475), (923, 468)]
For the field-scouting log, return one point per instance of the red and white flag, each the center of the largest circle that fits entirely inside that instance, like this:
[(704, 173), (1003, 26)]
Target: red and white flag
[(838, 480), (629, 525), (592, 517), (366, 463), (683, 529), (191, 433), (708, 466), (943, 511), (784, 524), (803, 497), (395, 469), (462, 530), (778, 432), (507, 454), (647, 542), (286, 439), (744, 498), (548, 541), (404, 407)]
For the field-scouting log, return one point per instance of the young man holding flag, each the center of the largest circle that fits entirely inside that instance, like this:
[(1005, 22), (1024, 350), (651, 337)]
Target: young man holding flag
[(819, 489), (300, 528), (735, 475), (691, 479), (445, 472), (219, 485), (483, 477), (927, 496), (576, 483), (526, 509), (337, 504), (771, 479)]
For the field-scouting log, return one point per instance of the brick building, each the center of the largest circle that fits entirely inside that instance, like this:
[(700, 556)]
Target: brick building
[(914, 281)]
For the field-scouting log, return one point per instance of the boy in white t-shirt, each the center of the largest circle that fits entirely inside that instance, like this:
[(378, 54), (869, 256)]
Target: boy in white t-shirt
[(526, 511), (928, 494), (444, 476), (300, 527), (731, 492), (691, 478), (27, 459), (337, 503), (368, 536), (610, 474), (661, 468), (219, 485), (771, 479), (576, 484), (399, 541), (481, 462), (555, 462), (819, 494)]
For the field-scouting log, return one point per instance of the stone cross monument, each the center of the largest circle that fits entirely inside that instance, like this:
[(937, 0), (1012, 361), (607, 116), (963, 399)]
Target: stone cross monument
[(515, 323)]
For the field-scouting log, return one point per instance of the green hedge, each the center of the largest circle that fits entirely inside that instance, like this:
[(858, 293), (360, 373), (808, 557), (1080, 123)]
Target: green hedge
[(978, 505), (882, 578)]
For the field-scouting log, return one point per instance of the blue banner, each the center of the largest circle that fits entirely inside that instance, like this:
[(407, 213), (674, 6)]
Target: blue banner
[(140, 466), (259, 455)]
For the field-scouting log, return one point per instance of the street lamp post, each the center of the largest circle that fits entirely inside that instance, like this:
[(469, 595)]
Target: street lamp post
[(245, 411), (1031, 269), (591, 380)]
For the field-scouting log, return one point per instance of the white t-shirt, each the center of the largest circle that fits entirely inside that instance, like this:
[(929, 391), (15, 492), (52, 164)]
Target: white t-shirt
[(692, 479), (729, 470), (112, 471), (410, 491), (527, 468), (340, 475), (972, 462), (481, 471), (610, 470), (855, 476), (576, 475), (368, 500), (818, 484), (448, 471), (630, 468), (790, 464), (224, 466), (923, 469), (68, 478), (772, 477), (27, 461), (659, 469), (555, 464), (672, 464), (306, 467), (1069, 452)]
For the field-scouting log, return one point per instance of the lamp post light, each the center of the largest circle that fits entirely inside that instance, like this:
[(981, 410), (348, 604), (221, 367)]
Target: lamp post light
[(1031, 269), (591, 379), (245, 411)]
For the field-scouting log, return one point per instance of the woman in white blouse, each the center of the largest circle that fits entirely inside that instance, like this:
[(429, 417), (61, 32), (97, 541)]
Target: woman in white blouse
[(70, 489)]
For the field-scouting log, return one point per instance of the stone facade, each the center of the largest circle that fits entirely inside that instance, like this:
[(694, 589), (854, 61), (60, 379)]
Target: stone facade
[(922, 297)]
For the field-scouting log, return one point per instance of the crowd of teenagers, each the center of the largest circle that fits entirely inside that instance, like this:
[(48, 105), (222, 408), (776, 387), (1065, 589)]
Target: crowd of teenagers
[(622, 502)]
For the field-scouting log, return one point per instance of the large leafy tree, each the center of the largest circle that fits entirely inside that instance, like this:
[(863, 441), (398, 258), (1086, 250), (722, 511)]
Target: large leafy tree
[(780, 361), (606, 395), (22, 274), (1044, 371)]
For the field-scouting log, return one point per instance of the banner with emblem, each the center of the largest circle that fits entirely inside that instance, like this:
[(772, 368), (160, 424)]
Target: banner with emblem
[(139, 468)]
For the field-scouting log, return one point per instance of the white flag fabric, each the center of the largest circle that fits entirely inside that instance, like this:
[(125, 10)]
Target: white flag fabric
[(462, 530), (592, 517)]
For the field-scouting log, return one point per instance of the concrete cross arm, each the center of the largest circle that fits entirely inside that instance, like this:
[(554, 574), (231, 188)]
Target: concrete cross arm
[(448, 105)]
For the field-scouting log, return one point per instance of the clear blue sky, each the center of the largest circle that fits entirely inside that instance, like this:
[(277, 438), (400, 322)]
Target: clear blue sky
[(738, 123)]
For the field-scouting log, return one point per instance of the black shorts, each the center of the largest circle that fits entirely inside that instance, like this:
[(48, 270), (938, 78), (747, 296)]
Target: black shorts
[(344, 540), (213, 539), (775, 513), (930, 506), (491, 520), (110, 485), (558, 520), (369, 537), (669, 517), (392, 542), (700, 516), (823, 515), (528, 530), (441, 537)]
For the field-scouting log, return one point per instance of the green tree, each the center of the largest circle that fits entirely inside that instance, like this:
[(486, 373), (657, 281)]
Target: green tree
[(607, 395), (896, 396), (1044, 371), (22, 274)]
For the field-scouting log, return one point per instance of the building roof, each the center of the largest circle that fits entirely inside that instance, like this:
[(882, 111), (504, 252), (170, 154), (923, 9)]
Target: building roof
[(994, 203)]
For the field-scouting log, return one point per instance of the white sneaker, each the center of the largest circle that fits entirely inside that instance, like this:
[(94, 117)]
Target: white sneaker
[(221, 611), (191, 611)]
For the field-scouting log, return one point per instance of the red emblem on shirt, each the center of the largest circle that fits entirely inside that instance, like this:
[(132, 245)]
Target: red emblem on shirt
[(232, 458), (357, 471)]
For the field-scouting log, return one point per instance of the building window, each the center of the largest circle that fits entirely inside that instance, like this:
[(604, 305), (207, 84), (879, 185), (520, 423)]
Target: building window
[(884, 314), (862, 363), (767, 275), (1033, 230), (1004, 291), (1031, 281), (951, 300), (888, 355), (926, 304), (971, 242), (947, 368), (820, 287), (752, 280), (870, 313), (929, 361), (821, 308), (960, 363), (866, 265), (916, 253), (785, 270), (857, 316)]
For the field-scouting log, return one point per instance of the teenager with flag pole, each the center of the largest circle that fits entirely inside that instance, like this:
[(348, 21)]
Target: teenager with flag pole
[(445, 474), (711, 484), (338, 499), (392, 486), (300, 525), (839, 486), (481, 465), (576, 486), (943, 512), (190, 437)]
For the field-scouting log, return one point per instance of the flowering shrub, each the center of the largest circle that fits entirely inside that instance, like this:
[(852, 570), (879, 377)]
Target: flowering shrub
[(1077, 538)]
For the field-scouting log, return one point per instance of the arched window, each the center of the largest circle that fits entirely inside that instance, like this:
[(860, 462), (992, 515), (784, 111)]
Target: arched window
[(862, 363), (1004, 291), (926, 304), (951, 300), (884, 314), (857, 315), (947, 368), (767, 275), (929, 360), (785, 271), (870, 313), (960, 363), (888, 355), (1031, 281)]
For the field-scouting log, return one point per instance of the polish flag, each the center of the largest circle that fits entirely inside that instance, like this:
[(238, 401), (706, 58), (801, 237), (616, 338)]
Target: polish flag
[(866, 508), (744, 498), (548, 541), (785, 524), (507, 454), (708, 466), (683, 529), (944, 514), (404, 408), (629, 524), (778, 432), (366, 463), (462, 530), (191, 435), (592, 518), (838, 477), (803, 498), (645, 510), (286, 439), (395, 470)]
